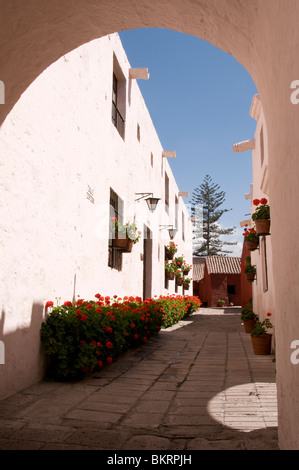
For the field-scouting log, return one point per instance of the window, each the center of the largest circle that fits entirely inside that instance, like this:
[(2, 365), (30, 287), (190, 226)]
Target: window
[(116, 210), (166, 193), (118, 98), (231, 290), (138, 132), (183, 226), (166, 281), (176, 221), (262, 145), (264, 263), (152, 160)]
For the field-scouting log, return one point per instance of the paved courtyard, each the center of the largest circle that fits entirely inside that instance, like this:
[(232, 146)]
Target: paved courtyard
[(195, 386)]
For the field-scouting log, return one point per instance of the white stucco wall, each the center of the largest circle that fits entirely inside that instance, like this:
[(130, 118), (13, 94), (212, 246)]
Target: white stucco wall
[(56, 144), (263, 292)]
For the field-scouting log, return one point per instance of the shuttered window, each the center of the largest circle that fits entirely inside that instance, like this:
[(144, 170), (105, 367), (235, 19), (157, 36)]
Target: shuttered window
[(116, 210)]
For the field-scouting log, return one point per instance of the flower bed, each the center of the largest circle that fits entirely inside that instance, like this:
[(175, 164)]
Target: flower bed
[(176, 307), (83, 336)]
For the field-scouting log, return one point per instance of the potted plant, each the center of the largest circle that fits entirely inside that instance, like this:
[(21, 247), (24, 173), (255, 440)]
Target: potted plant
[(248, 317), (250, 272), (179, 277), (261, 216), (179, 261), (261, 339), (171, 249), (221, 303), (186, 268), (170, 270), (125, 236), (186, 283), (251, 238)]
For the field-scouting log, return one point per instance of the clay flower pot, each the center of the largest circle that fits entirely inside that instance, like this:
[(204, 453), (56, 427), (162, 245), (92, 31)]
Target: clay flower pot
[(262, 226), (251, 245), (261, 344), (250, 276), (249, 325), (186, 285), (169, 275), (123, 244), (179, 281)]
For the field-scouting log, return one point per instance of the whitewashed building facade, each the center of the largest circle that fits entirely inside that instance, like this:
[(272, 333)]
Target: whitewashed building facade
[(79, 142)]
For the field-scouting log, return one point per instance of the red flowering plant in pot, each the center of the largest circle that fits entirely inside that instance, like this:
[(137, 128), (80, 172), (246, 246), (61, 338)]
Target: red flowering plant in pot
[(186, 268), (261, 339), (124, 236), (179, 277), (261, 216), (251, 238), (248, 317), (171, 250), (249, 270), (170, 270), (186, 283)]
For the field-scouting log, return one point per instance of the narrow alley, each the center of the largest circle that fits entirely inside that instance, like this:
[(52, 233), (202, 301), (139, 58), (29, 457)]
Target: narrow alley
[(195, 386)]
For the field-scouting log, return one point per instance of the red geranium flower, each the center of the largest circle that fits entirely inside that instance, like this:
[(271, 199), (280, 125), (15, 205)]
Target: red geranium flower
[(68, 303), (132, 325), (100, 363), (135, 336), (264, 201), (109, 359), (49, 303), (269, 314), (109, 345), (256, 202)]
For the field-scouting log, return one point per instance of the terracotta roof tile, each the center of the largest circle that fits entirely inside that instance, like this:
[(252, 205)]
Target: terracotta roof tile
[(215, 265), (223, 265), (198, 268)]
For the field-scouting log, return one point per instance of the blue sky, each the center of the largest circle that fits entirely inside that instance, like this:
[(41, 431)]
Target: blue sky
[(199, 99)]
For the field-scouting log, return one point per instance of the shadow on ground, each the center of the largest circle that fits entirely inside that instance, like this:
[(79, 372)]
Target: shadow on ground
[(195, 386)]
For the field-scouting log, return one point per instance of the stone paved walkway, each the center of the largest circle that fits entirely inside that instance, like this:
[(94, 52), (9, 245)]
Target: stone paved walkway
[(196, 386)]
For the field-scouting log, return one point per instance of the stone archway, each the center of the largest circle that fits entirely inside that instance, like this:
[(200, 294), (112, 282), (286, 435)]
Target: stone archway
[(263, 36)]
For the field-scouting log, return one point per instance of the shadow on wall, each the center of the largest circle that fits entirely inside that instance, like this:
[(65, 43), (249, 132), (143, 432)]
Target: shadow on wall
[(21, 359)]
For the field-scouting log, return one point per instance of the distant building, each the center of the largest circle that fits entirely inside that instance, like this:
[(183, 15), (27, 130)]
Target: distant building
[(215, 278)]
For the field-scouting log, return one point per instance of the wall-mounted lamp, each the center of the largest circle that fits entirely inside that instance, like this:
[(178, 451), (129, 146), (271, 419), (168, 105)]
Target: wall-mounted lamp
[(151, 201), (171, 230)]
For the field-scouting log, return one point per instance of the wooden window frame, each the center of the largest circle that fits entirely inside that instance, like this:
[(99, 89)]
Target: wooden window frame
[(116, 208)]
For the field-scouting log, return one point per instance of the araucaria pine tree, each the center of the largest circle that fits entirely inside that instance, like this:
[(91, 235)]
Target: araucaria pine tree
[(206, 204)]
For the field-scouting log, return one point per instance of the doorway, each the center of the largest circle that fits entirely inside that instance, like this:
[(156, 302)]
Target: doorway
[(147, 262)]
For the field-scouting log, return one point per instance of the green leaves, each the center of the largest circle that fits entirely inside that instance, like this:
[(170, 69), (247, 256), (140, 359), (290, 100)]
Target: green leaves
[(81, 337)]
